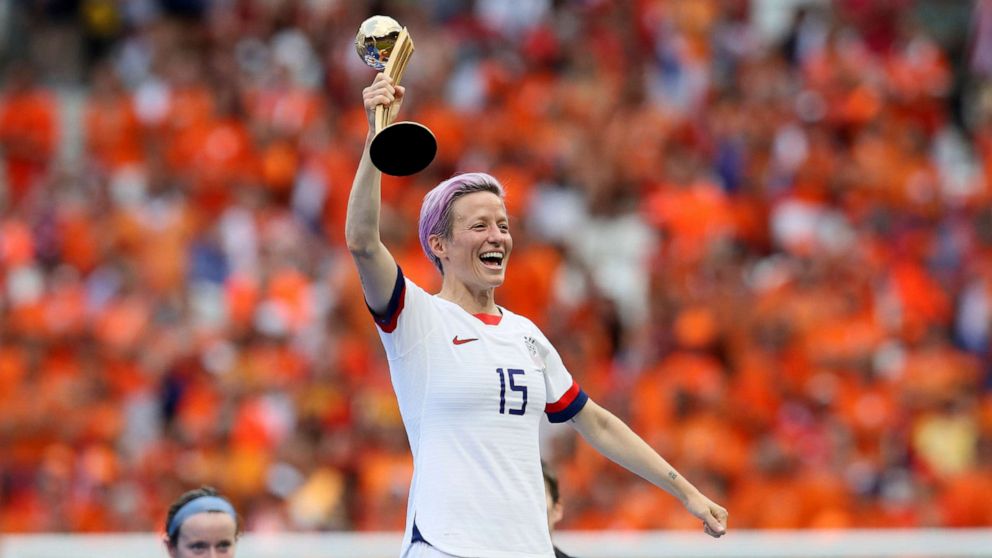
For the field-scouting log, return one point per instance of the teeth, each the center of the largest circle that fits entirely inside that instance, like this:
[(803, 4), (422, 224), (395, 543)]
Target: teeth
[(492, 258)]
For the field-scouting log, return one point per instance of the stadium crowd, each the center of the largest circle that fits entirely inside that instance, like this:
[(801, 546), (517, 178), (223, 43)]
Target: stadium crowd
[(772, 257)]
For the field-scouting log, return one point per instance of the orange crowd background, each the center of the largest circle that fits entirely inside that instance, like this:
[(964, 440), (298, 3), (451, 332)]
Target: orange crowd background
[(770, 253)]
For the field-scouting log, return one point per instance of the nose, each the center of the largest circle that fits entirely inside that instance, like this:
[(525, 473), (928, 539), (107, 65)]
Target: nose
[(495, 234)]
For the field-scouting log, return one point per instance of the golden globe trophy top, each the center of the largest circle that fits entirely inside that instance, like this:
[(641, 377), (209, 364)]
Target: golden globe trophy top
[(401, 148)]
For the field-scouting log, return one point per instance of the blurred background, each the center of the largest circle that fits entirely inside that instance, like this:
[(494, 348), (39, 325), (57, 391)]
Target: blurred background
[(759, 231)]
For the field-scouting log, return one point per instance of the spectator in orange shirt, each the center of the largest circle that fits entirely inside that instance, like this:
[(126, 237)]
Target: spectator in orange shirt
[(28, 129), (113, 132)]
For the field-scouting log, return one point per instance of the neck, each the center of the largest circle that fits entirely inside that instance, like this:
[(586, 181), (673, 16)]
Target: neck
[(473, 301)]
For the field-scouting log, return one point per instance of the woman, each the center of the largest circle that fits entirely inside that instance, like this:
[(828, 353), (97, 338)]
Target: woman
[(201, 523), (471, 377)]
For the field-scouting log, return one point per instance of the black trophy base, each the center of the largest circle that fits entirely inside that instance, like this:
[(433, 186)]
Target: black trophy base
[(403, 148)]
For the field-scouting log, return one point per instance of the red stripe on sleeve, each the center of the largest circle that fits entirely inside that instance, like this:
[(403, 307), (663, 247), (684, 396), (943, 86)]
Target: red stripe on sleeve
[(565, 400)]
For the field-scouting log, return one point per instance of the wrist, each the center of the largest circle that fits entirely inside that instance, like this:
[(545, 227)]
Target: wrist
[(686, 490)]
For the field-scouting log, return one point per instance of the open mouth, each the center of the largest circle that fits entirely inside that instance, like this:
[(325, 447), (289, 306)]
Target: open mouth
[(492, 259)]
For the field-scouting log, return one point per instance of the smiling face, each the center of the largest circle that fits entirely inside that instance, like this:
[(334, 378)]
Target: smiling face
[(206, 535), (478, 248)]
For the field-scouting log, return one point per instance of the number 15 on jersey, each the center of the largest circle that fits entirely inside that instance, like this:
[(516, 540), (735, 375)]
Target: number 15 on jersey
[(508, 377)]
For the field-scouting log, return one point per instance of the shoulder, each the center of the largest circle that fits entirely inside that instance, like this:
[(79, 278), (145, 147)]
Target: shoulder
[(520, 322), (413, 290)]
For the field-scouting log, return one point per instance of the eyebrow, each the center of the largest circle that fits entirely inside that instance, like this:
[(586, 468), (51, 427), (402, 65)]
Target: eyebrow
[(203, 541), (483, 216)]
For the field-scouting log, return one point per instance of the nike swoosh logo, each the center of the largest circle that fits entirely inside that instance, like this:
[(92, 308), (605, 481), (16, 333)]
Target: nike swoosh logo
[(458, 341)]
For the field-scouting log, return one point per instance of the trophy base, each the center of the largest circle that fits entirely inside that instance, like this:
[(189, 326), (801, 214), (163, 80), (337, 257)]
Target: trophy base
[(403, 148)]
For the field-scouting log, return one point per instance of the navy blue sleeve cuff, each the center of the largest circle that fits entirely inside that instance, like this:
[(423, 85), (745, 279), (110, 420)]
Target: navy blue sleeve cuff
[(387, 321), (570, 410)]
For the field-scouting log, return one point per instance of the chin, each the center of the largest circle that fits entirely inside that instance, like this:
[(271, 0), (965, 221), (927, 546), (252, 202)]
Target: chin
[(495, 281)]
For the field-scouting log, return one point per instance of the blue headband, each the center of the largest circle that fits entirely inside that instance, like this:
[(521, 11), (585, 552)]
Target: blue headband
[(200, 505)]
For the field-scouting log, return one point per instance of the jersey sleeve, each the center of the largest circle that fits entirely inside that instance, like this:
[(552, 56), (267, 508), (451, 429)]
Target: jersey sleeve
[(564, 396), (408, 319)]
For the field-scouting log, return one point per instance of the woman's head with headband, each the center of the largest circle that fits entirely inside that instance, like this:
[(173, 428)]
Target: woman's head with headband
[(199, 520)]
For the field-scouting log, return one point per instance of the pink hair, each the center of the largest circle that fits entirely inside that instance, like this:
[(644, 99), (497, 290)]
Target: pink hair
[(435, 213)]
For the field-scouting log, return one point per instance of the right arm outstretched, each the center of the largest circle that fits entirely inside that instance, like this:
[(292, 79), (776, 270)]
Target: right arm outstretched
[(376, 265)]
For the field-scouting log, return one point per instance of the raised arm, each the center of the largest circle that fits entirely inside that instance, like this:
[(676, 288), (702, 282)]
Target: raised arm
[(614, 439), (376, 265)]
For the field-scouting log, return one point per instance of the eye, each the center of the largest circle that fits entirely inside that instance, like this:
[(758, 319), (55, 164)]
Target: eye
[(505, 227)]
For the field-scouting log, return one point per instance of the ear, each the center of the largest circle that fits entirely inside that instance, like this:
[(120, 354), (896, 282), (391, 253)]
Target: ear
[(557, 512), (168, 547), (437, 244)]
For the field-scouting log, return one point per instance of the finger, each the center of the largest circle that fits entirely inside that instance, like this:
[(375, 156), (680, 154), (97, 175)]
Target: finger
[(709, 531), (381, 86), (382, 96), (381, 77), (714, 525), (399, 91), (380, 89), (376, 100), (722, 516)]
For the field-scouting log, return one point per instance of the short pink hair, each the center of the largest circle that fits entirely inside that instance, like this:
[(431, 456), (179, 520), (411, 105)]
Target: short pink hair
[(435, 213)]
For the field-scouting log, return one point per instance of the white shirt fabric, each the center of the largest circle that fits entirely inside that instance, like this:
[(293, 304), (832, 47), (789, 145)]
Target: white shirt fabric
[(424, 550), (471, 395)]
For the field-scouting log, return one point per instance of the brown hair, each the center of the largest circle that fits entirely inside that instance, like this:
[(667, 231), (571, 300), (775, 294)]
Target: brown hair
[(187, 497)]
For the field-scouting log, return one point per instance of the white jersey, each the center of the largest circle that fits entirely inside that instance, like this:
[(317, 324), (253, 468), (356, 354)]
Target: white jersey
[(471, 390)]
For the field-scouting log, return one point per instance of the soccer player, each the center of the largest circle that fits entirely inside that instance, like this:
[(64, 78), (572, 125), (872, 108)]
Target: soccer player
[(201, 522), (472, 377)]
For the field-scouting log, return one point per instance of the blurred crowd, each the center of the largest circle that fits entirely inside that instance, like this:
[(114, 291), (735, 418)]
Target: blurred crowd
[(768, 249)]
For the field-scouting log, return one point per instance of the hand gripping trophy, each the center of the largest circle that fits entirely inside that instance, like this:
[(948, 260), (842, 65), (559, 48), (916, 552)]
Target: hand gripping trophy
[(401, 148)]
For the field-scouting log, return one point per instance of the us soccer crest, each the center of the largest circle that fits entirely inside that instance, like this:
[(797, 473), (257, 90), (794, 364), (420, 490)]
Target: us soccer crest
[(531, 346)]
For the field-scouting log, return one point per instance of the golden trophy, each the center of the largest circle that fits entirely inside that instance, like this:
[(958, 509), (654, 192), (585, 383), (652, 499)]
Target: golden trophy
[(401, 148)]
